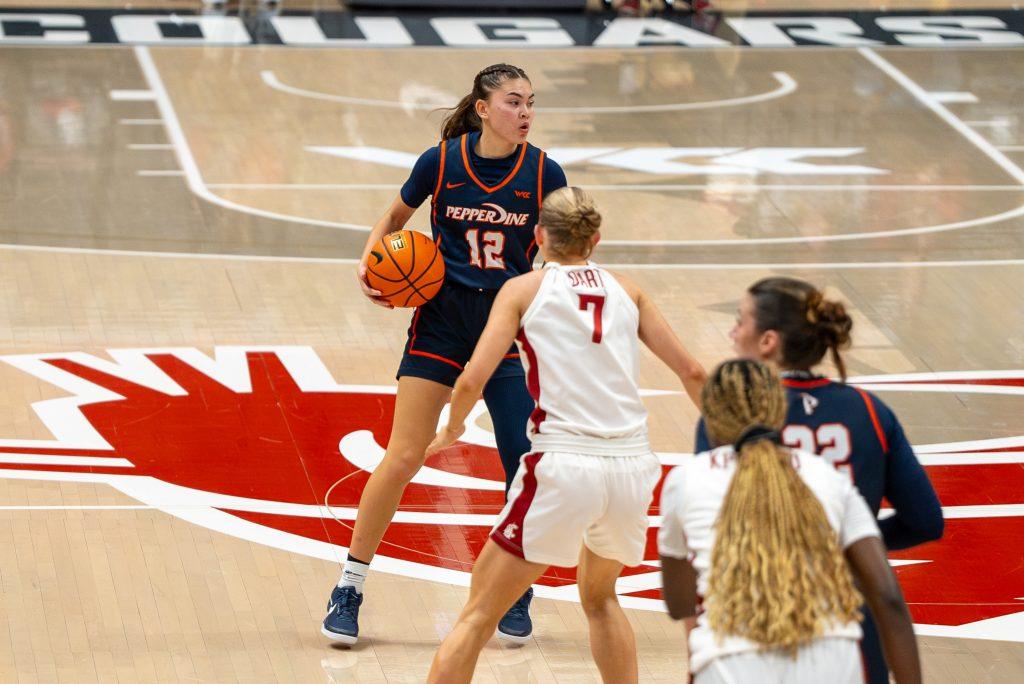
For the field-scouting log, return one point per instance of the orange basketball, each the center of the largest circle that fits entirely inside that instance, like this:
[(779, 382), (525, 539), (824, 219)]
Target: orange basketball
[(406, 267)]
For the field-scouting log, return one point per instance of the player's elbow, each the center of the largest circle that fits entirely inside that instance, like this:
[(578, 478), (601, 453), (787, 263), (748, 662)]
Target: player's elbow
[(692, 374), (697, 374), (934, 527), (680, 611), (889, 604)]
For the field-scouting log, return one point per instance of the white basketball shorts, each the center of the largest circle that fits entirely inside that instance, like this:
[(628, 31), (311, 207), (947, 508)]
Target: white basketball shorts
[(560, 501), (832, 660)]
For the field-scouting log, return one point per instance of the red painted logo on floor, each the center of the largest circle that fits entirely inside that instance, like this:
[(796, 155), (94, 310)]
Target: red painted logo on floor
[(259, 442)]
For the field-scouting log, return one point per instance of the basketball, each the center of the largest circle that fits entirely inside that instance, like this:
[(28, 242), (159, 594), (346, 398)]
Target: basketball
[(406, 267)]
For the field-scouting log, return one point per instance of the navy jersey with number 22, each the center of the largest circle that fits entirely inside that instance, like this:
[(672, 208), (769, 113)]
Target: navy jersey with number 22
[(860, 435)]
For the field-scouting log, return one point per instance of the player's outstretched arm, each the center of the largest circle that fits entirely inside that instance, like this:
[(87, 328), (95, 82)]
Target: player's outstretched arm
[(657, 334), (497, 337), (395, 218), (878, 583)]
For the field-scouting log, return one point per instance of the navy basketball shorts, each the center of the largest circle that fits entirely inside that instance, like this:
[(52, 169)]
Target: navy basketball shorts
[(444, 332)]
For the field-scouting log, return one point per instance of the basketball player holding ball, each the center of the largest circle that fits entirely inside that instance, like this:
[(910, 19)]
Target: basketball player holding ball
[(486, 185)]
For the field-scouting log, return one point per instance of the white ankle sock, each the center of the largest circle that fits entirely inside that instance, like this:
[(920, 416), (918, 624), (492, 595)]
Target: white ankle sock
[(354, 575)]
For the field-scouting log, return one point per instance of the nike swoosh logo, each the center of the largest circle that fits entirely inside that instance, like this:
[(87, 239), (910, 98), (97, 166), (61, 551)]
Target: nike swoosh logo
[(449, 186)]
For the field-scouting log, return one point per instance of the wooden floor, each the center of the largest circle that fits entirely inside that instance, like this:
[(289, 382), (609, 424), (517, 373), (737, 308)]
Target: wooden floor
[(194, 389)]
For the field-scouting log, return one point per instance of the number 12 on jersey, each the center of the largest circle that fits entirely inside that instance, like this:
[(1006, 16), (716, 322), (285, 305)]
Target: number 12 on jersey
[(490, 244), (598, 302)]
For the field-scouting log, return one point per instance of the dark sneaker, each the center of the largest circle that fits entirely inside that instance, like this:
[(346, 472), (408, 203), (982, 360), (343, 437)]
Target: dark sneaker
[(516, 626), (342, 621)]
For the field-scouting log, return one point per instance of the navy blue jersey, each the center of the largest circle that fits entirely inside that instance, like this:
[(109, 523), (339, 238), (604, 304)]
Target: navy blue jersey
[(859, 434), (483, 211)]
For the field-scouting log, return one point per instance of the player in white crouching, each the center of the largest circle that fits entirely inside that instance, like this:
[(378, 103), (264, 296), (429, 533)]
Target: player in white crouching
[(581, 495), (763, 543)]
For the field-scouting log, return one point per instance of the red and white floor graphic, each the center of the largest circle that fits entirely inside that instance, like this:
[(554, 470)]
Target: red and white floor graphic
[(262, 443)]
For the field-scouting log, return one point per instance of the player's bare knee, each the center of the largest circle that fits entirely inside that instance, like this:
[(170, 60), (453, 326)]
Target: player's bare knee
[(402, 464), (598, 604), (480, 620)]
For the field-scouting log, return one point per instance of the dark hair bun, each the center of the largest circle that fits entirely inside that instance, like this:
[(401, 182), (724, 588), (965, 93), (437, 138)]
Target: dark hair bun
[(830, 320)]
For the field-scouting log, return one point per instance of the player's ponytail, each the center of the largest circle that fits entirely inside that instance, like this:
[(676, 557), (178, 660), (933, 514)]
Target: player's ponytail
[(462, 118), (570, 218), (778, 576), (808, 323)]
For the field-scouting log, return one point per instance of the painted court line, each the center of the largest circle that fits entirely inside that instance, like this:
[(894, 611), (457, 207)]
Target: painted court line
[(64, 460), (786, 86), (132, 95), (417, 517), (656, 187), (953, 97), (863, 235), (198, 186), (962, 127), (188, 164), (160, 172), (781, 266)]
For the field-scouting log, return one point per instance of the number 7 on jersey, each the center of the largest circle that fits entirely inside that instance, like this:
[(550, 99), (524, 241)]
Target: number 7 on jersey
[(598, 302)]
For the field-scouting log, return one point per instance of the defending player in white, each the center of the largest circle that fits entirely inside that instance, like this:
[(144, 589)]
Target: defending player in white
[(763, 542), (581, 495)]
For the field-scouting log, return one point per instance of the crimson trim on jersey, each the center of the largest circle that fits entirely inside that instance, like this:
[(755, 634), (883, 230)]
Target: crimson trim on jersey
[(437, 188), (435, 357), (517, 511), (469, 167), (540, 182), (416, 352), (874, 419), (532, 381), (805, 384), (540, 202)]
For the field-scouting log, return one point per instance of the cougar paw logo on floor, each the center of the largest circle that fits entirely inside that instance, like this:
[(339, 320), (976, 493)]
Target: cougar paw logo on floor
[(262, 443)]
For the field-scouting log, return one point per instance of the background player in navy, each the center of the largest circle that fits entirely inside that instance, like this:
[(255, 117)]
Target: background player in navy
[(789, 322), (486, 185)]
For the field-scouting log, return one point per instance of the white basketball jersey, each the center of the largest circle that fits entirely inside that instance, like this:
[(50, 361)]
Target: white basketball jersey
[(691, 498), (580, 347)]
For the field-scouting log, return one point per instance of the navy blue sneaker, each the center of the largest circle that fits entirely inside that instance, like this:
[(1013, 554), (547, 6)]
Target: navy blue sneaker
[(342, 621), (517, 626)]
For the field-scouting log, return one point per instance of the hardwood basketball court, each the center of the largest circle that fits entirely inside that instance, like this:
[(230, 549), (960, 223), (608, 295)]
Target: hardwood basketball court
[(195, 389)]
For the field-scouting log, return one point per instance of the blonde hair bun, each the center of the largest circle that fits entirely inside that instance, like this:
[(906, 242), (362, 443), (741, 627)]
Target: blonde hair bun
[(571, 219)]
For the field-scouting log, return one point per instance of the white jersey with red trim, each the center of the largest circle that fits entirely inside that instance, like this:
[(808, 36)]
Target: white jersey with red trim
[(691, 499), (580, 347)]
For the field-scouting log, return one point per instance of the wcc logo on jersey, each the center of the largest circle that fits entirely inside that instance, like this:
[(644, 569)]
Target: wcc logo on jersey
[(262, 443)]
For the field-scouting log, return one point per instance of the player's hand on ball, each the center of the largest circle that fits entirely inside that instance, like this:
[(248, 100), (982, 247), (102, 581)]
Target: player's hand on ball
[(445, 437), (371, 294)]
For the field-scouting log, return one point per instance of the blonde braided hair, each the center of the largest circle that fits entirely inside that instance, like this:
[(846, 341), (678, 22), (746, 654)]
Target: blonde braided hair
[(778, 576)]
